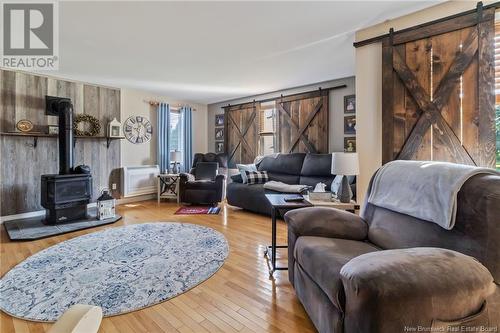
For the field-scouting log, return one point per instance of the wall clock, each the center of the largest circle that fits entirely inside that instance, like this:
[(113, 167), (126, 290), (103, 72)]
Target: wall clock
[(138, 129)]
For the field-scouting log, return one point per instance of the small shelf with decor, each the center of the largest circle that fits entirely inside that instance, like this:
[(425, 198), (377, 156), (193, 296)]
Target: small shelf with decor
[(36, 135)]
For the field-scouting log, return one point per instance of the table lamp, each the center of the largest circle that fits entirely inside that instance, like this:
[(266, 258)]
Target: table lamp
[(175, 157), (345, 164)]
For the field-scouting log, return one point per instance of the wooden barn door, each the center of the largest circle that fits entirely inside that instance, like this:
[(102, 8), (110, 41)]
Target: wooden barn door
[(242, 133), (438, 92), (303, 123)]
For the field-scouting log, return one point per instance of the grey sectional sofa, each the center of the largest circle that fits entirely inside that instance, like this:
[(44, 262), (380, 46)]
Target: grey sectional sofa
[(295, 168)]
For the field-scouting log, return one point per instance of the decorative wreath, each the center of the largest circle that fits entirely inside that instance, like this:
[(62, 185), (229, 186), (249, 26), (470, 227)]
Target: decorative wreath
[(94, 129)]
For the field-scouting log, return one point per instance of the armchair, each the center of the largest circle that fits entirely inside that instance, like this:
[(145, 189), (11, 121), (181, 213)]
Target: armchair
[(392, 272), (204, 184)]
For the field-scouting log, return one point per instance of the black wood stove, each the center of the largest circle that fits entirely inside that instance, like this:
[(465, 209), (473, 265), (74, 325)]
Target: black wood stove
[(65, 196)]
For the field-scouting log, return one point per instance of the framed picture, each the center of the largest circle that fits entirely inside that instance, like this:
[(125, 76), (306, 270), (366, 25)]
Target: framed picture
[(219, 133), (53, 129), (219, 120), (350, 144), (350, 125), (219, 147), (350, 104)]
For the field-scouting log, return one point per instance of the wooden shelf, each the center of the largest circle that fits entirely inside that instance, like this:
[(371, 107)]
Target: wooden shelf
[(36, 135), (28, 134)]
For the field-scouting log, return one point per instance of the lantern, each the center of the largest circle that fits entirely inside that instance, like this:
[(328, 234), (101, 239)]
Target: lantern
[(105, 205), (115, 129)]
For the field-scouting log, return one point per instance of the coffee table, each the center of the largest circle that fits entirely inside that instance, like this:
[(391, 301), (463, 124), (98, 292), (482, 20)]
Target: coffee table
[(279, 205)]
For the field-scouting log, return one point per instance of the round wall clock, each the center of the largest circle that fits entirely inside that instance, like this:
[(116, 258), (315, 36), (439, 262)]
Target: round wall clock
[(137, 129)]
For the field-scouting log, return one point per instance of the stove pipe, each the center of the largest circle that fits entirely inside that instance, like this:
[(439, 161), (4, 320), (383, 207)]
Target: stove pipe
[(63, 108)]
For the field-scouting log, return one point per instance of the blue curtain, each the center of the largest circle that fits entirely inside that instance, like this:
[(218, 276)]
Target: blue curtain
[(163, 137), (187, 138)]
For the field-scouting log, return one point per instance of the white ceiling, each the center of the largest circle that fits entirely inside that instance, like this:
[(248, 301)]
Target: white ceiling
[(213, 51)]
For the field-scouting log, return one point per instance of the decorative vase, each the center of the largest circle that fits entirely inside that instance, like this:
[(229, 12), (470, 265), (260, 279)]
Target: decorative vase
[(175, 169), (344, 194)]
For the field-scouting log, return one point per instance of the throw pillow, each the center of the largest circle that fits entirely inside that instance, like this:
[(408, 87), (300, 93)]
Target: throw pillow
[(245, 167), (256, 177), (237, 178), (190, 177)]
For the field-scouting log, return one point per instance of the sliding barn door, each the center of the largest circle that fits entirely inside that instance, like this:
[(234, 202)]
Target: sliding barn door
[(242, 137), (303, 123), (438, 92)]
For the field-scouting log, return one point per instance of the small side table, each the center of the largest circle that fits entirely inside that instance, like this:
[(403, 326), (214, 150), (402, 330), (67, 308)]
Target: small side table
[(168, 186), (279, 206)]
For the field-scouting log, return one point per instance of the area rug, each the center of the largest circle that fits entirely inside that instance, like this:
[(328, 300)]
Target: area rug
[(197, 210), (120, 269)]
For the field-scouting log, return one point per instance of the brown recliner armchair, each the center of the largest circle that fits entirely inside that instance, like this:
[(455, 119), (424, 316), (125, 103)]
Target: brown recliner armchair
[(395, 273), (205, 182)]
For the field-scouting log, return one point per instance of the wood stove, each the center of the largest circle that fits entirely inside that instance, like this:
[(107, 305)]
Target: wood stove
[(65, 195)]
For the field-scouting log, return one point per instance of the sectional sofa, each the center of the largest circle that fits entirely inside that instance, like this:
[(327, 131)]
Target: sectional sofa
[(295, 168)]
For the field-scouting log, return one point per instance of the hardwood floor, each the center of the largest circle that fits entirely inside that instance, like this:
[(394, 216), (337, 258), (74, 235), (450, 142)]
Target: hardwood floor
[(240, 297)]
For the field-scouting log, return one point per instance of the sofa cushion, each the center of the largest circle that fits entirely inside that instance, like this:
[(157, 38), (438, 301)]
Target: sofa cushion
[(249, 197), (284, 178), (322, 258), (206, 170), (237, 178), (220, 158), (290, 164), (317, 165)]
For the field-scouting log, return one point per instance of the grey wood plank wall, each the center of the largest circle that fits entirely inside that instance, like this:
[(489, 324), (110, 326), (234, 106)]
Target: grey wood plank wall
[(22, 96)]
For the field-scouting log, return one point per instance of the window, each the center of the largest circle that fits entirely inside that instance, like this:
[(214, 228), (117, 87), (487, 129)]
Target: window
[(497, 88), (175, 141), (267, 128)]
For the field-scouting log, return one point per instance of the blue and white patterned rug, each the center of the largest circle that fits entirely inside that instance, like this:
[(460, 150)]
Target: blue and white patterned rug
[(120, 269)]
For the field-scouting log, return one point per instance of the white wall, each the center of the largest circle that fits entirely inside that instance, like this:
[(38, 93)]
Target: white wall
[(369, 114), (133, 104), (336, 107)]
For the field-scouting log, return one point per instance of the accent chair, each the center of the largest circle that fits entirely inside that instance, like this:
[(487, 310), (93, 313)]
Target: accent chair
[(204, 184)]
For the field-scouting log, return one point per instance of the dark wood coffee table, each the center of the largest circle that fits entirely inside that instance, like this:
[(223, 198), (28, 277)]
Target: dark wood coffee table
[(279, 206)]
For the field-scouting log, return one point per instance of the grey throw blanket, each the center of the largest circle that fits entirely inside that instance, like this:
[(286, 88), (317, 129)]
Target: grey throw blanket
[(284, 188), (425, 190)]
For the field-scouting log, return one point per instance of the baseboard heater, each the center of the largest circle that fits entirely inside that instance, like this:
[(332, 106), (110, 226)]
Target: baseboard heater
[(139, 180)]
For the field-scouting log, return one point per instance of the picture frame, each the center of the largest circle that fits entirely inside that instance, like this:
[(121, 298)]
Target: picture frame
[(350, 104), (350, 144), (350, 125), (219, 147), (53, 129), (219, 119), (219, 134)]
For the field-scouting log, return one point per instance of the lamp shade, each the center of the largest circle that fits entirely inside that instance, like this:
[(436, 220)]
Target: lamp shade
[(345, 164), (175, 156)]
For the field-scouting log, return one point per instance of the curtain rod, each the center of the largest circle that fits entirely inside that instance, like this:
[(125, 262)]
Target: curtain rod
[(173, 107), (284, 96), (381, 37)]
